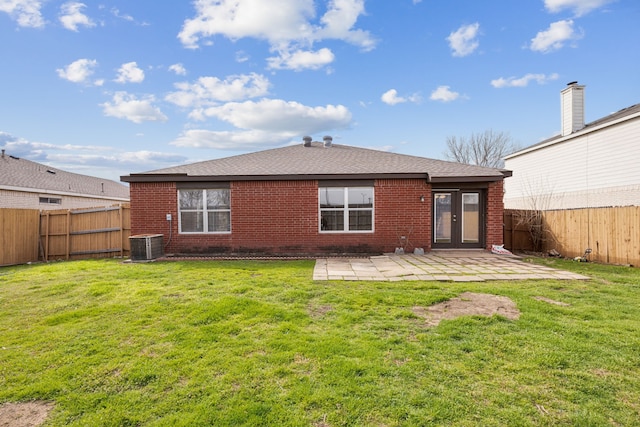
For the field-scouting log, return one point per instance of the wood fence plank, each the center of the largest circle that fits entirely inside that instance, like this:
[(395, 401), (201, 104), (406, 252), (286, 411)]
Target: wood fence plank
[(613, 234), (18, 235)]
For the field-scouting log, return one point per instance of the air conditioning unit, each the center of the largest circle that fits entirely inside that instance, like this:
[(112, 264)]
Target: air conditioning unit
[(145, 247)]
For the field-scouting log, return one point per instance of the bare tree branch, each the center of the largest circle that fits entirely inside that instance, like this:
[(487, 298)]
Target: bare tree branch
[(483, 149)]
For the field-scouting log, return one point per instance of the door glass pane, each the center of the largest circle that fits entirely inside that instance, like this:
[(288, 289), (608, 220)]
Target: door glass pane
[(470, 218), (442, 216)]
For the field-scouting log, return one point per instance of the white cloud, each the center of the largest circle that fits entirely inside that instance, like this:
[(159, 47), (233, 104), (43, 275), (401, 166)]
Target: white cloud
[(25, 12), (579, 7), (444, 94), (301, 60), (128, 158), (91, 160), (339, 20), (130, 73), (230, 140), (276, 115), (391, 97), (242, 56), (554, 37), (268, 122), (207, 91), (524, 80), (116, 12), (71, 16), (464, 41), (288, 27), (248, 18), (79, 71), (126, 106), (126, 17), (178, 69)]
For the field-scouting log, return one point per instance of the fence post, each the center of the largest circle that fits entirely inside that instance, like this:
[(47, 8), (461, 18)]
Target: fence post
[(46, 238), (121, 232), (68, 243)]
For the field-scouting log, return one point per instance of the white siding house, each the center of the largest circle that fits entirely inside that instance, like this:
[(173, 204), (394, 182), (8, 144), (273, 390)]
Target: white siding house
[(589, 165)]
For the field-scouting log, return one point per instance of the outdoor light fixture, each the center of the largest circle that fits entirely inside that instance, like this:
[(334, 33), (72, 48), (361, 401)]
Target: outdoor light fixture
[(422, 199)]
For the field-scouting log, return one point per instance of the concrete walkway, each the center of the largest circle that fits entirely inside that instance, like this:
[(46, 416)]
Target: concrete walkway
[(456, 266)]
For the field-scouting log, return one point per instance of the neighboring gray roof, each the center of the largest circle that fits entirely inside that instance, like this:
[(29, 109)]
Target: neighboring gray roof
[(25, 175), (611, 118), (317, 161)]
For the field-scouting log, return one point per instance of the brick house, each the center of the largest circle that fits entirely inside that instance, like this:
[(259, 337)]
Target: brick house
[(318, 198)]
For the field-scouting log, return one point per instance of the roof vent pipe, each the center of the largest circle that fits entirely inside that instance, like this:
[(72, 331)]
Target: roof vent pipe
[(3, 153), (327, 141), (307, 141)]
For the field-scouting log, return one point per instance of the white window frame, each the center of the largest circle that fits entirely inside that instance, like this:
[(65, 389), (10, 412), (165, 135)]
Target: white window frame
[(346, 209), (48, 200), (204, 211)]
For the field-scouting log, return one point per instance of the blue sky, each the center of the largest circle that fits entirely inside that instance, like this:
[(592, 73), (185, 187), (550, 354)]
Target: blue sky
[(117, 87)]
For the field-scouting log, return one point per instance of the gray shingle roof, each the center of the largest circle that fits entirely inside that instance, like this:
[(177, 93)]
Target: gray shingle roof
[(24, 174), (298, 161)]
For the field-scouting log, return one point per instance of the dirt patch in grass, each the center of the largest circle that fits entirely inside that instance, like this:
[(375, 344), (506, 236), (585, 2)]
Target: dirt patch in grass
[(319, 311), (468, 304), (28, 414)]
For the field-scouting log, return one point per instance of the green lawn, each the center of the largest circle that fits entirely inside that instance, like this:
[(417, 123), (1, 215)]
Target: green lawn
[(260, 343)]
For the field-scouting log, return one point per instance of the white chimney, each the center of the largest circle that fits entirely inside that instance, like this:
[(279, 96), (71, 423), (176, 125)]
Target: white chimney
[(572, 105)]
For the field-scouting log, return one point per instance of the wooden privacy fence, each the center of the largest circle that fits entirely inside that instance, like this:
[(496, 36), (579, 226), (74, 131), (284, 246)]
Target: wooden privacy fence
[(18, 236), (612, 234), (516, 233), (85, 233)]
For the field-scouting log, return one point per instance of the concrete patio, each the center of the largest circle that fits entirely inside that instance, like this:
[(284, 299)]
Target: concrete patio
[(451, 265)]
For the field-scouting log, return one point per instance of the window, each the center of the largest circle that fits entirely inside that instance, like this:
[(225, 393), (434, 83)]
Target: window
[(346, 209), (204, 211), (51, 200)]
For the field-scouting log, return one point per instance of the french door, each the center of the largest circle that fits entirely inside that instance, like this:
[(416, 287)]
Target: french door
[(458, 217)]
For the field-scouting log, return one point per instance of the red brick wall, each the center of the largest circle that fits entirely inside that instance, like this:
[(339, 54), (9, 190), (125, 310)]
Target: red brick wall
[(495, 214), (281, 217), (399, 212), (150, 203)]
